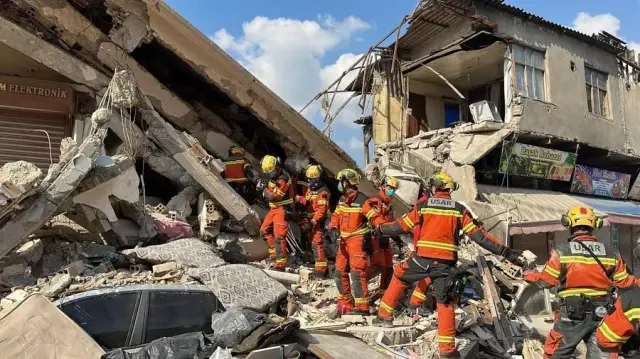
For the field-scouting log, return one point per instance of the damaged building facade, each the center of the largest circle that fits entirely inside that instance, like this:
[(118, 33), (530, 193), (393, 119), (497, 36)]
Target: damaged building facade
[(58, 59), (529, 116)]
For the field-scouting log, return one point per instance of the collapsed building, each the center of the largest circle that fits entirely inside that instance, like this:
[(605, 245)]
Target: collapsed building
[(114, 116), (531, 118)]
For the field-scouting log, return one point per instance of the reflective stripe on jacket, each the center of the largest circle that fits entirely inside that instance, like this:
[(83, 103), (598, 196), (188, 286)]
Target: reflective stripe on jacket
[(577, 273), (234, 168), (353, 212)]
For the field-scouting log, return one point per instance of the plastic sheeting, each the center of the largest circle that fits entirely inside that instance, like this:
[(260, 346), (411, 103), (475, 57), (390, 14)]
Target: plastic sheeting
[(232, 326), (185, 346)]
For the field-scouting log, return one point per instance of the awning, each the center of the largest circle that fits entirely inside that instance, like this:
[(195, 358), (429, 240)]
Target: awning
[(619, 211), (531, 211)]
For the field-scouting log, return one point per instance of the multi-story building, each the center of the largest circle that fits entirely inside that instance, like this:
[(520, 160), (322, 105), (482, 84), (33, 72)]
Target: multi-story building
[(530, 116)]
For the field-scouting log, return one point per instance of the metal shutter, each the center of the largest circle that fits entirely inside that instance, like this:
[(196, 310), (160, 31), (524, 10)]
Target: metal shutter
[(21, 137)]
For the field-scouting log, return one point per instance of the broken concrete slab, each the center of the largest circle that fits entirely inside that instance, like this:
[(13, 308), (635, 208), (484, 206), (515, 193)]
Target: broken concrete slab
[(74, 268), (160, 270), (182, 202), (12, 300), (124, 187), (243, 285), (56, 285), (327, 345), (17, 178), (395, 335), (55, 192), (31, 251), (94, 250), (17, 275), (169, 139), (189, 252)]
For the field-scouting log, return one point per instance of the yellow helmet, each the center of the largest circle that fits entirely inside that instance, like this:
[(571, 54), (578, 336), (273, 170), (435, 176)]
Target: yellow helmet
[(313, 171), (391, 182), (269, 163), (350, 175), (442, 180), (581, 216), (236, 150)]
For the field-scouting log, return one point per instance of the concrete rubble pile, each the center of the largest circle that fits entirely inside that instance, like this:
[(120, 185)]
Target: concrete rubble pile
[(84, 226), (498, 316)]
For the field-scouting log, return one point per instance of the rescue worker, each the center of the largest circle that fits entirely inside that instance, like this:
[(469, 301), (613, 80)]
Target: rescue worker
[(620, 329), (419, 294), (237, 169), (349, 226), (440, 219), (585, 272), (279, 195), (316, 202), (382, 248)]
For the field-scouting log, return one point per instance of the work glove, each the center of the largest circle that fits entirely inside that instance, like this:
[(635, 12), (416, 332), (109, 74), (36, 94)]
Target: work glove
[(313, 222), (513, 256), (377, 232), (307, 227), (299, 198), (260, 185), (334, 234)]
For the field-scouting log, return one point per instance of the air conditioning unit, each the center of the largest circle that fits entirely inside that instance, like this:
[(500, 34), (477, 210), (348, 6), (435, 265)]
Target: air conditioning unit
[(484, 110)]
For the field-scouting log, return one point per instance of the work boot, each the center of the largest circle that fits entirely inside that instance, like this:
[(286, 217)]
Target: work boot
[(418, 311), (382, 322), (358, 311), (341, 309)]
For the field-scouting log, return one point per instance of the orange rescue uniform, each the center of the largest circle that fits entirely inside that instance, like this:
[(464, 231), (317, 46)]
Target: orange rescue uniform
[(579, 277), (419, 294), (353, 212), (279, 193), (316, 203), (440, 219), (618, 327), (382, 248), (234, 169)]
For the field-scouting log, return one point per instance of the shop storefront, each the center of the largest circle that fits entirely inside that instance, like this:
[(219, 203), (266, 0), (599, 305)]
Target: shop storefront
[(35, 116)]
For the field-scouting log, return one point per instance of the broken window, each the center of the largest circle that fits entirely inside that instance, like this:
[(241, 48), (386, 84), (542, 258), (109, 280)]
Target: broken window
[(529, 72), (596, 85)]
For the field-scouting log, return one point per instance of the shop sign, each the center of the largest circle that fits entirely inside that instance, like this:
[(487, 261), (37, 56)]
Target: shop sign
[(34, 90), (538, 162), (634, 191), (599, 182)]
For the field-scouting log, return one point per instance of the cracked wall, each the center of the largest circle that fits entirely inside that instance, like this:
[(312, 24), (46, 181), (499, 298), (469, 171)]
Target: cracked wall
[(564, 113)]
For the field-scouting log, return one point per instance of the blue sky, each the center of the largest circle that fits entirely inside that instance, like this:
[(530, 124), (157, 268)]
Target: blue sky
[(298, 47)]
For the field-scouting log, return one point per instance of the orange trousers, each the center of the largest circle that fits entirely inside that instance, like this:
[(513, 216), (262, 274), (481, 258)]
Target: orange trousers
[(381, 261), (442, 275), (566, 335), (351, 273), (419, 295), (274, 229), (318, 249)]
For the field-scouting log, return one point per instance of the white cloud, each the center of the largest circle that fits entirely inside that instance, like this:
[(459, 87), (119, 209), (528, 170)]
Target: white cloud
[(286, 55), (593, 24), (355, 144)]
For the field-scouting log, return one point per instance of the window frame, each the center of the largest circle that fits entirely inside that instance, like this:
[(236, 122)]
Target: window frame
[(543, 69), (604, 101)]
